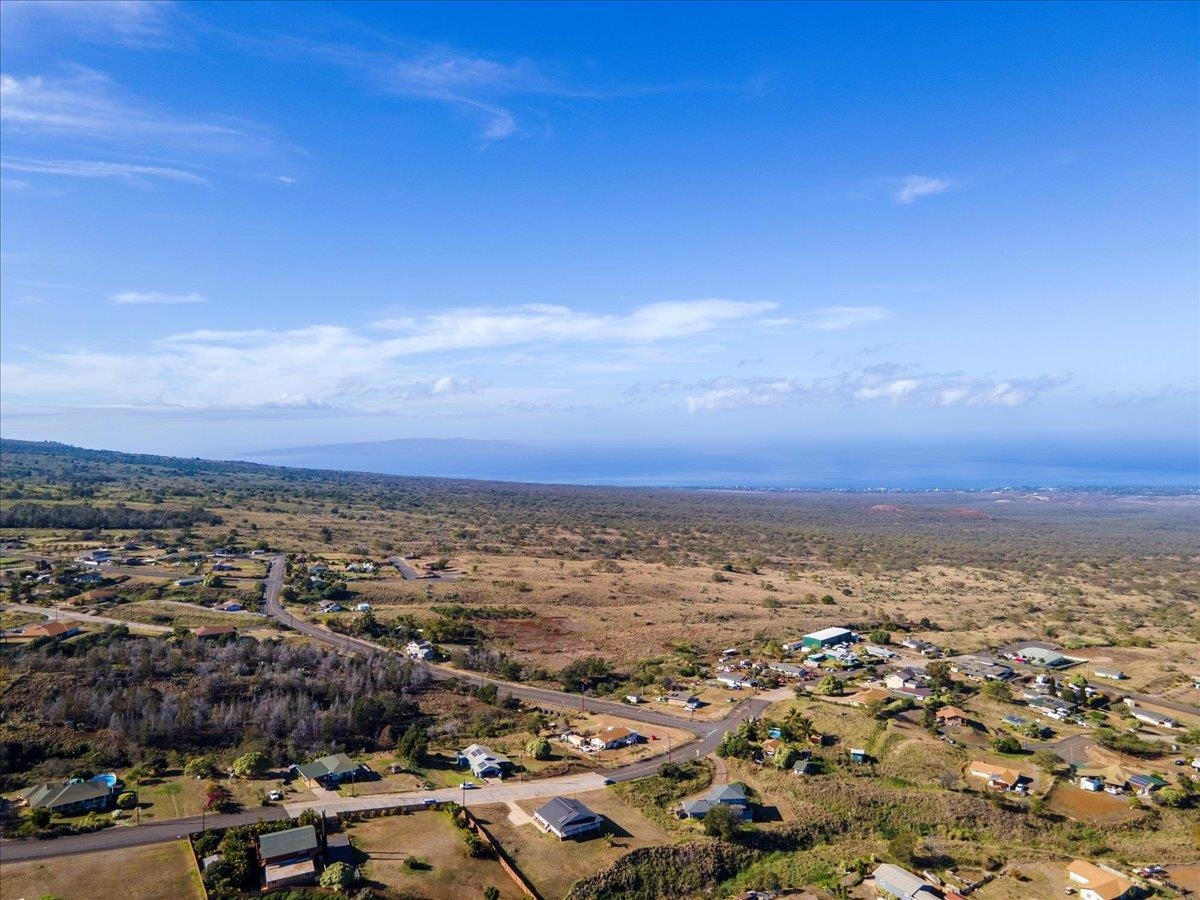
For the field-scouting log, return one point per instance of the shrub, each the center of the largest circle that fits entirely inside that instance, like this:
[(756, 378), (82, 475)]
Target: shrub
[(538, 748), (339, 877), (722, 822), (127, 800)]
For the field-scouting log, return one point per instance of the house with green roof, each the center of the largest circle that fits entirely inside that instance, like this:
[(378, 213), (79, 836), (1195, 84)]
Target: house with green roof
[(330, 770)]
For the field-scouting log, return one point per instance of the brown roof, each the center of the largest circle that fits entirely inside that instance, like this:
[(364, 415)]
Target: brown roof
[(998, 773), (214, 630), (951, 712), (1107, 885), (615, 733), (48, 629)]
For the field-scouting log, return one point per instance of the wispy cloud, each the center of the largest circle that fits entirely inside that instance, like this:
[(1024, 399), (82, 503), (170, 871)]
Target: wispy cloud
[(130, 22), (491, 89), (112, 134), (342, 366), (912, 188), (135, 298), (90, 168), (889, 384), (837, 318)]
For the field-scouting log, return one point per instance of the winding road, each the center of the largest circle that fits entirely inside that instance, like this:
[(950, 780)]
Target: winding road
[(708, 734)]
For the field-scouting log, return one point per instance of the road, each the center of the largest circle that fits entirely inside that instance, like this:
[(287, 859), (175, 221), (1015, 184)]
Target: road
[(131, 835), (274, 608), (708, 733), (410, 574), (56, 613)]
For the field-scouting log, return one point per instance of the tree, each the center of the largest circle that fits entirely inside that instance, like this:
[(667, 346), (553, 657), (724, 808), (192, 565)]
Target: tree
[(584, 673), (722, 822), (1006, 743), (413, 746), (799, 726), (773, 649), (828, 686), (996, 690), (250, 765), (880, 636), (538, 748), (939, 674), (339, 876), (491, 892), (40, 817), (199, 767)]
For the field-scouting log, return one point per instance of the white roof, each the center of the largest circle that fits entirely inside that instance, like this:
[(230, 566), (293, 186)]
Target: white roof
[(826, 633)]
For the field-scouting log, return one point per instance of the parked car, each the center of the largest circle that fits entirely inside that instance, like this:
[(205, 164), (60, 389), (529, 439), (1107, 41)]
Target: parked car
[(275, 796)]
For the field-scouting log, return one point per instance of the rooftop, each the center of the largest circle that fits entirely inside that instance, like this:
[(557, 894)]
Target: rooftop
[(291, 842)]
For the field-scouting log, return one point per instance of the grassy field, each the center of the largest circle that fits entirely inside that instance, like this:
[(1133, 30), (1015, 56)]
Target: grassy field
[(168, 612), (158, 872), (553, 865), (443, 871)]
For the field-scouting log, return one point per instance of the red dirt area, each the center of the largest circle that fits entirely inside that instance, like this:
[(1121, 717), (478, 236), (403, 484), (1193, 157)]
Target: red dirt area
[(1186, 876), (1090, 806), (542, 638), (886, 509)]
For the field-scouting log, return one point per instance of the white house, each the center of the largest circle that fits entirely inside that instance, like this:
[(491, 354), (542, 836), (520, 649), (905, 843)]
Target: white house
[(419, 650)]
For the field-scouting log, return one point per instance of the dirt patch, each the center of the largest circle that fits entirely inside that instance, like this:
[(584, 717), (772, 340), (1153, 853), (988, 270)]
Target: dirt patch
[(1095, 807)]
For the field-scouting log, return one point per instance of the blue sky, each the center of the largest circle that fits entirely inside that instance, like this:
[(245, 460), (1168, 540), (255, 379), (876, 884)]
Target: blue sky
[(230, 227)]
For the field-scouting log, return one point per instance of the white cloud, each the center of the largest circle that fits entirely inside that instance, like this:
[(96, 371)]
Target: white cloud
[(836, 318), (890, 384), (87, 168), (156, 297), (914, 187), (339, 365)]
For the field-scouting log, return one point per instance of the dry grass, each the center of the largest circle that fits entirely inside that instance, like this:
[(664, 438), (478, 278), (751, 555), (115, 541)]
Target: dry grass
[(157, 872), (432, 838), (553, 865)]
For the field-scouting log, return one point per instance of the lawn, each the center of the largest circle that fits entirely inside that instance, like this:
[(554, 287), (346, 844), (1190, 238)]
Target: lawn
[(443, 870), (156, 872), (553, 865), (177, 796), (177, 613)]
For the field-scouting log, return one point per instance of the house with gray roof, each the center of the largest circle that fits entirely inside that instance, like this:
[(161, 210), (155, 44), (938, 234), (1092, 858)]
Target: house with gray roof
[(67, 799), (566, 817), (484, 762), (289, 857), (893, 881), (731, 795)]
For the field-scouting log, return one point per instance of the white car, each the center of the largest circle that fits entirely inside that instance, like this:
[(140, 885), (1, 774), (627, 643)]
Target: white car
[(275, 796)]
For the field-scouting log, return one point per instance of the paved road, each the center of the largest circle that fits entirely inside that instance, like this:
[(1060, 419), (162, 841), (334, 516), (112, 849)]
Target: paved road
[(411, 574), (82, 617), (708, 733), (131, 835), (275, 609)]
